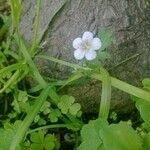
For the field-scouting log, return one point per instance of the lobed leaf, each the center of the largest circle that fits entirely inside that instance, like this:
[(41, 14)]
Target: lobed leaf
[(144, 106), (120, 137)]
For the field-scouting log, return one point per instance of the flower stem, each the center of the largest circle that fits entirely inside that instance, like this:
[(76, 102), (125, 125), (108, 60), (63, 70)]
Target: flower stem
[(106, 94)]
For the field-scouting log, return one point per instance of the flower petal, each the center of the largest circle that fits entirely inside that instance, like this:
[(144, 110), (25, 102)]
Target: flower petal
[(79, 54), (87, 35), (96, 44), (77, 43), (90, 55)]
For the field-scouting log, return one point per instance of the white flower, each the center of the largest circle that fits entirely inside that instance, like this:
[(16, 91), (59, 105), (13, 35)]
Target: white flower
[(86, 46)]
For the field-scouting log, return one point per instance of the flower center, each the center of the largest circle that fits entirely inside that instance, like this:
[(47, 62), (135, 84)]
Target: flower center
[(86, 45)]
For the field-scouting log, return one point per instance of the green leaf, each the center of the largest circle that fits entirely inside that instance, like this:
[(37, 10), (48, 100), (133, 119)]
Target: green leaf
[(120, 137), (144, 109), (146, 84), (12, 115), (16, 106), (65, 103), (106, 37), (146, 142), (36, 147), (24, 106), (39, 142), (41, 122), (79, 113), (25, 145), (22, 96), (5, 138), (91, 138), (37, 137), (54, 115), (98, 135), (36, 119), (46, 111), (74, 109), (20, 103), (90, 135), (102, 55), (7, 133), (144, 106), (49, 142), (45, 106)]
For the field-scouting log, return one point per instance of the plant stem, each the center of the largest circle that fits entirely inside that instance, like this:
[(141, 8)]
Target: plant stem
[(21, 44), (15, 17), (130, 89), (36, 26), (51, 126), (75, 66), (33, 68), (11, 81), (29, 118), (106, 94), (11, 68)]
